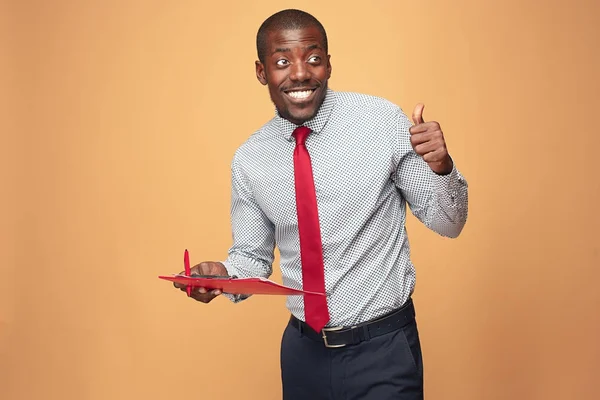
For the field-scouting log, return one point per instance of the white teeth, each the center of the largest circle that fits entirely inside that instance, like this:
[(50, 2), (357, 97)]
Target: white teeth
[(300, 95)]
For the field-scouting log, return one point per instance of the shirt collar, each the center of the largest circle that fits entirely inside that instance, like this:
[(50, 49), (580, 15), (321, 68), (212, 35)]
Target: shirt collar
[(316, 124)]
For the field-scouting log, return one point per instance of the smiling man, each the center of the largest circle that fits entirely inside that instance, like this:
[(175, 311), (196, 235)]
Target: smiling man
[(327, 180), (297, 89)]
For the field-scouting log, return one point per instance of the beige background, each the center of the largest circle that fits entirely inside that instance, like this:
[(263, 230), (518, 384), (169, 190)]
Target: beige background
[(119, 120)]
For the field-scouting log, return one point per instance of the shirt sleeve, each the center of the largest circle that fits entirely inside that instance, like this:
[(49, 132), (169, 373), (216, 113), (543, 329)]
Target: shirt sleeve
[(252, 251), (440, 202)]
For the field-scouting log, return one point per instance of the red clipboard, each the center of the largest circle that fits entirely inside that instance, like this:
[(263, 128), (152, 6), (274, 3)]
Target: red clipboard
[(238, 285)]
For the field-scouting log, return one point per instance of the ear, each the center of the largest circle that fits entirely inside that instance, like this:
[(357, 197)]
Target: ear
[(261, 74), (328, 66)]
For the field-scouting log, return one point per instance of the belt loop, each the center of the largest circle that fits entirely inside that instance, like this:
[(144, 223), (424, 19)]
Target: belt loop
[(366, 332)]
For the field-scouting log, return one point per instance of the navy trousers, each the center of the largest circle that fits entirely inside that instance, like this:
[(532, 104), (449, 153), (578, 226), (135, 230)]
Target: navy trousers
[(389, 366)]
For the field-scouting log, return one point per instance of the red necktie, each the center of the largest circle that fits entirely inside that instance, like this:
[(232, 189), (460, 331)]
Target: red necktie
[(311, 249)]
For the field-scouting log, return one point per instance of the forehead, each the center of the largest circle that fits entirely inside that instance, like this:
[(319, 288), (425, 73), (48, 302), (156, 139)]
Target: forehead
[(290, 38)]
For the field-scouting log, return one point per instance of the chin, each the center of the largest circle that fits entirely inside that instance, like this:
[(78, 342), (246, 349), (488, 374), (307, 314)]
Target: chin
[(304, 116), (300, 119)]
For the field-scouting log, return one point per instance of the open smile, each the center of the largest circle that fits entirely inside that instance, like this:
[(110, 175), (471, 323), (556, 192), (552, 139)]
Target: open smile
[(301, 95)]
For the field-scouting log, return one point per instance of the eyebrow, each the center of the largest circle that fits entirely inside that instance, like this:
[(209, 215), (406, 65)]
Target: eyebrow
[(287, 49), (281, 50)]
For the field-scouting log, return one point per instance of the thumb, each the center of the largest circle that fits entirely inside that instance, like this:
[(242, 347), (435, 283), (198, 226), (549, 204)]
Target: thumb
[(417, 116)]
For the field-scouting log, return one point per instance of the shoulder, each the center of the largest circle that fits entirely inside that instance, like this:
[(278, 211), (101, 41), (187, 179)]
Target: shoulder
[(368, 109), (256, 143), (365, 102)]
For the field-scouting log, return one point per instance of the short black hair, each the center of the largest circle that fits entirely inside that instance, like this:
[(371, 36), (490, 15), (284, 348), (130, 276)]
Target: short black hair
[(286, 19)]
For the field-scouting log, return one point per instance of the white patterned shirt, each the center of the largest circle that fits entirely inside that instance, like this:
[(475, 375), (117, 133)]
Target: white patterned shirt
[(365, 172)]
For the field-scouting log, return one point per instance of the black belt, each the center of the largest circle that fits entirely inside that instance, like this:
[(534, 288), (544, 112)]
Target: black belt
[(344, 336)]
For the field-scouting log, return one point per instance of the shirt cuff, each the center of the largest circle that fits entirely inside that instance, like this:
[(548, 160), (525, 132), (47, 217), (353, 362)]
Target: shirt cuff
[(449, 187), (232, 271)]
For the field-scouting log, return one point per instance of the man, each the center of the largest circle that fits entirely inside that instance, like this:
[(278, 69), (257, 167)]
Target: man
[(327, 180)]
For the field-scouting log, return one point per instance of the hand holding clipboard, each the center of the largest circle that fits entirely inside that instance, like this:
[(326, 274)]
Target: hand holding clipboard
[(207, 280), (200, 293)]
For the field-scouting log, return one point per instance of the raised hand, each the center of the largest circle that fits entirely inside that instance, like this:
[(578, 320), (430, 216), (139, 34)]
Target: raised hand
[(427, 139)]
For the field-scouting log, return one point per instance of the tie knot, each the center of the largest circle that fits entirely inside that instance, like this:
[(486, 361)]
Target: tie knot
[(301, 133)]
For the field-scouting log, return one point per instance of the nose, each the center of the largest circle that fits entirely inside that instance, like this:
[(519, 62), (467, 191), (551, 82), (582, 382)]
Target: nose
[(300, 72)]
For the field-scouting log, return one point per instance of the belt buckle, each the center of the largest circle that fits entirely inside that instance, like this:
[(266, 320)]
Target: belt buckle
[(332, 329)]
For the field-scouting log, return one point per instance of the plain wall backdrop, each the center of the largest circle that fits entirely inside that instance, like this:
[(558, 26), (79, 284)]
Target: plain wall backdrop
[(119, 121)]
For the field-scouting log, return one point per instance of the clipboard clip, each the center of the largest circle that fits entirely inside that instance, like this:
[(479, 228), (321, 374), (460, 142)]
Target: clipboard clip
[(213, 276)]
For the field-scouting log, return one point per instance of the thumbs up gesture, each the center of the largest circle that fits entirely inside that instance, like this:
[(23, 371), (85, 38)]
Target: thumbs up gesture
[(427, 139)]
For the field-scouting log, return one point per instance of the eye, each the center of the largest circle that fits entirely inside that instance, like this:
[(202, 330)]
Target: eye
[(282, 62), (314, 59)]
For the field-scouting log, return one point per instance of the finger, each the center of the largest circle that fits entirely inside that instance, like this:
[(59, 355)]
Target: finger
[(195, 290), (415, 129), (179, 285), (437, 155), (425, 127), (201, 290), (424, 143), (422, 137), (417, 116), (203, 297), (425, 148)]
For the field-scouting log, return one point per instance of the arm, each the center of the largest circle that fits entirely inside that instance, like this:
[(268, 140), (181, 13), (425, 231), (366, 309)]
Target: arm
[(252, 251), (251, 254), (428, 178)]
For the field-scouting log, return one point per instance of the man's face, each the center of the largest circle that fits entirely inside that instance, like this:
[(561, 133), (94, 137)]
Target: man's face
[(296, 70)]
